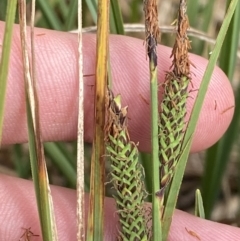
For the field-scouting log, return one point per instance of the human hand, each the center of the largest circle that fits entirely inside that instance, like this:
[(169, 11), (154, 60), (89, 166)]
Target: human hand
[(56, 55)]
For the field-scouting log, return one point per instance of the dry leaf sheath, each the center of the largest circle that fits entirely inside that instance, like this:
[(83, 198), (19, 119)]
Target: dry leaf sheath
[(173, 106), (127, 173)]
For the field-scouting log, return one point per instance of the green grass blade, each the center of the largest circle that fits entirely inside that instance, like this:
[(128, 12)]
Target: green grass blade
[(40, 179), (216, 161), (209, 70), (60, 161), (70, 21), (4, 66), (135, 11), (63, 8), (192, 12), (3, 8), (116, 21), (92, 6), (49, 14), (174, 189), (199, 209), (21, 162), (69, 154), (175, 185), (38, 164), (206, 15), (228, 57), (218, 155)]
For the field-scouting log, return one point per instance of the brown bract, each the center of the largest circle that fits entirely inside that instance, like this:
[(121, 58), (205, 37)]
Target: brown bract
[(116, 117), (181, 63), (151, 29), (151, 18)]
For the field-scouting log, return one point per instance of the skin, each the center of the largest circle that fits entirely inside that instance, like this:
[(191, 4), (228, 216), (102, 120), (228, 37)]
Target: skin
[(57, 86)]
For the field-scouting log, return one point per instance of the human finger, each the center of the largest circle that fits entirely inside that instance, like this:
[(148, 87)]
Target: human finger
[(18, 211), (57, 87)]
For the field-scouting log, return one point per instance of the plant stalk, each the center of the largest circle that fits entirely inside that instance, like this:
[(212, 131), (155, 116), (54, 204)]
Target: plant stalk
[(152, 35), (97, 186)]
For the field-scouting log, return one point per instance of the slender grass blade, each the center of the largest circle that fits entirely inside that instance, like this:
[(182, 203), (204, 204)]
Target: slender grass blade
[(38, 164), (4, 65), (217, 156), (199, 209)]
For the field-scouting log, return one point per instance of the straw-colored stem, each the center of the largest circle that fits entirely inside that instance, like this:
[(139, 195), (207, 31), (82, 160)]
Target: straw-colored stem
[(97, 186), (80, 142)]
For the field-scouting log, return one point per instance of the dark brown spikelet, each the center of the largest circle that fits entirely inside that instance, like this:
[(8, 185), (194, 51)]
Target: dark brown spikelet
[(152, 32), (181, 63)]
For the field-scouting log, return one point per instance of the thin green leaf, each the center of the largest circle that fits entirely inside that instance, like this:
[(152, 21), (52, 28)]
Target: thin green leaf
[(3, 9), (38, 164), (228, 56), (21, 161), (218, 155), (199, 209), (116, 22), (59, 159), (4, 66), (206, 15), (69, 154), (62, 4), (135, 11), (216, 161), (40, 179), (174, 188), (192, 12), (72, 16), (92, 6), (49, 14), (209, 70)]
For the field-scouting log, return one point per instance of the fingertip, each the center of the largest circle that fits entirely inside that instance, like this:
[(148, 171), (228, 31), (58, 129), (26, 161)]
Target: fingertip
[(57, 87), (218, 106), (18, 210), (188, 227)]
